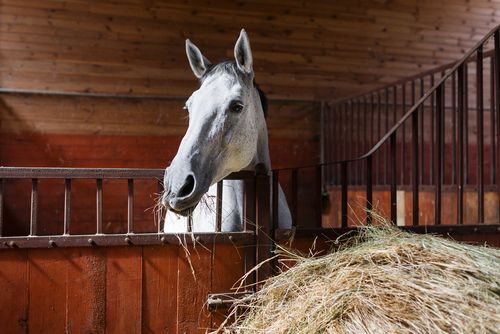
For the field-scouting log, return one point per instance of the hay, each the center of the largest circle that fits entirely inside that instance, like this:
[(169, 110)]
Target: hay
[(384, 281)]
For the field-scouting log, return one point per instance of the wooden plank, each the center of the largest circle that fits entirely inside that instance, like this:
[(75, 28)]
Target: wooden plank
[(123, 289), (14, 291), (86, 290), (194, 284), (159, 303), (228, 268), (47, 290)]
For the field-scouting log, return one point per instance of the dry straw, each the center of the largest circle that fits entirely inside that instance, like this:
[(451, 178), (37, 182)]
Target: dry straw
[(384, 281)]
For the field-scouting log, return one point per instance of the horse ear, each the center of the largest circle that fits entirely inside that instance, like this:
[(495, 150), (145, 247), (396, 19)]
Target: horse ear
[(199, 64), (243, 53)]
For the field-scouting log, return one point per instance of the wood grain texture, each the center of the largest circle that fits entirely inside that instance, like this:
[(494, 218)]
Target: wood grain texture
[(14, 291), (159, 303), (302, 49)]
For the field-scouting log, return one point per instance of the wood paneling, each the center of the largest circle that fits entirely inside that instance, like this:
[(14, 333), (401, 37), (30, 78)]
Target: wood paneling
[(302, 49), (150, 289)]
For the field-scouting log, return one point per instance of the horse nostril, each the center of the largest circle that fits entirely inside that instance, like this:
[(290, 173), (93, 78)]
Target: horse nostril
[(188, 187)]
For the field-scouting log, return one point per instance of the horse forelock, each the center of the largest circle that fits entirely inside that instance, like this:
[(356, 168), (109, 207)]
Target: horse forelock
[(230, 67)]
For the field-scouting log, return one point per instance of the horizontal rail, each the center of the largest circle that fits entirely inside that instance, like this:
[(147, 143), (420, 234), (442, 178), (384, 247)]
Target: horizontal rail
[(94, 173), (434, 229), (141, 239)]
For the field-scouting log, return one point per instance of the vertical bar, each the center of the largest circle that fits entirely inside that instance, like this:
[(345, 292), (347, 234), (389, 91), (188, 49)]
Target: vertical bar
[(454, 128), (249, 214), (421, 111), (394, 203), (432, 133), (415, 172), (378, 154), (460, 129), (369, 190), (319, 196), (275, 200), (365, 130), (372, 123), (1, 206), (403, 141), (439, 153), (159, 216), (351, 131), (492, 120), (264, 238), (295, 197), (497, 107), (359, 150), (387, 153), (218, 207), (466, 123), (480, 135), (99, 205), (34, 207), (130, 206), (345, 121), (67, 206), (344, 176)]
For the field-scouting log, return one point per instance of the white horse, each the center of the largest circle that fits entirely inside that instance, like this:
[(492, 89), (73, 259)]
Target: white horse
[(227, 133)]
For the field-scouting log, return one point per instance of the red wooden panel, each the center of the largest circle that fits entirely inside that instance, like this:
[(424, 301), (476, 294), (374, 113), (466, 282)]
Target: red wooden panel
[(123, 289), (159, 303), (86, 290), (228, 268), (193, 287), (14, 291), (47, 290)]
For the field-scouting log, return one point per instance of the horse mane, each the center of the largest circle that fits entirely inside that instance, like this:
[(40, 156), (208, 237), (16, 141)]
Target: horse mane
[(230, 67)]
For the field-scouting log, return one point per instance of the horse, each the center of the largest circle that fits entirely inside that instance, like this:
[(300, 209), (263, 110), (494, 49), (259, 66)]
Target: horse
[(227, 132)]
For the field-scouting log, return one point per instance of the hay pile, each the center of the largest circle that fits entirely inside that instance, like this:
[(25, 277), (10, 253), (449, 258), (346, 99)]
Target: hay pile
[(384, 281)]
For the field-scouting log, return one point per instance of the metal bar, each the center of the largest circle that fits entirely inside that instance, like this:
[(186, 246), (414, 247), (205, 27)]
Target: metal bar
[(377, 156), (372, 123), (403, 141), (497, 107), (454, 128), (369, 190), (432, 134), (422, 137), (319, 192), (492, 120), (67, 206), (264, 239), (466, 123), (393, 179), (359, 150), (439, 153), (343, 168), (387, 153), (99, 206), (92, 240), (365, 131), (130, 206), (218, 207), (480, 135), (295, 197), (460, 129), (415, 171), (159, 215), (275, 200), (1, 206), (335, 232), (95, 173), (34, 207)]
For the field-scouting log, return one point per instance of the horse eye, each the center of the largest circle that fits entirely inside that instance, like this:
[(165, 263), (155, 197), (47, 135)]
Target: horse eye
[(236, 106)]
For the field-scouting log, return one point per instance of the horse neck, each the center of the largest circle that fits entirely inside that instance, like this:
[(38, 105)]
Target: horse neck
[(262, 157)]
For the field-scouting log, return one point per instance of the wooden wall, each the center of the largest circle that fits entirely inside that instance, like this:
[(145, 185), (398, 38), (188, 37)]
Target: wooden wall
[(302, 49), (153, 289)]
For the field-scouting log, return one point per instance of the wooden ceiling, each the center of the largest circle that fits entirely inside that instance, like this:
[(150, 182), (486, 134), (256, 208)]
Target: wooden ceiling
[(303, 50)]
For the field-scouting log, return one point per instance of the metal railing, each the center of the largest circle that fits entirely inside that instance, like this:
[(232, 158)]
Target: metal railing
[(418, 149), (254, 209)]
